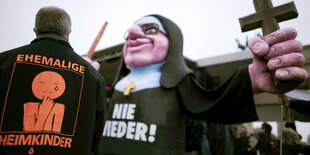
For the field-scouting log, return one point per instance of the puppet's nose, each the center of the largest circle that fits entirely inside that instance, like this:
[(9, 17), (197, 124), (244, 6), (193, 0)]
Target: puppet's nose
[(135, 32)]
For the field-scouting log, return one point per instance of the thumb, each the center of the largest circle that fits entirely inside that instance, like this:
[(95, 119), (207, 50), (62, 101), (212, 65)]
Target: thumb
[(258, 47)]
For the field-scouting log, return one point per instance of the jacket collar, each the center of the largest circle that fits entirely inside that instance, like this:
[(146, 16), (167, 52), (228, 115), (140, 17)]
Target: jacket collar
[(53, 36)]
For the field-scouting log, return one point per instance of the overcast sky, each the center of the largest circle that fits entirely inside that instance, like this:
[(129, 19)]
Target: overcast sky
[(210, 27)]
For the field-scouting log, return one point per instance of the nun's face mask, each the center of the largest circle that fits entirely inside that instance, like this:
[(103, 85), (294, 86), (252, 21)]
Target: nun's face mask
[(146, 43)]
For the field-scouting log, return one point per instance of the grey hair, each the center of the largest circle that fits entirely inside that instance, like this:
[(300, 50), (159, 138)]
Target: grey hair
[(53, 20)]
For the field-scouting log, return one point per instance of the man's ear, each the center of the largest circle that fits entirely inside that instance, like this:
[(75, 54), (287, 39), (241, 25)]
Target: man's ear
[(34, 30), (69, 32)]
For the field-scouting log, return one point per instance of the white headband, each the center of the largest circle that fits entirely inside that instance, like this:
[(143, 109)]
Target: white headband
[(151, 19)]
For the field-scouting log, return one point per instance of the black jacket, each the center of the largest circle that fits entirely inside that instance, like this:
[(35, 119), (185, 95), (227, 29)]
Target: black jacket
[(51, 100)]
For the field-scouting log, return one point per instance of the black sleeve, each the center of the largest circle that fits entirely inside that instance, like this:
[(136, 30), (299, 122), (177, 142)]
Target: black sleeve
[(300, 106), (230, 103), (101, 109)]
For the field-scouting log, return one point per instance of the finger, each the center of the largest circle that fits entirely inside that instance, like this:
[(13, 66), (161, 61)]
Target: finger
[(284, 48), (258, 46), (292, 74), (280, 35), (291, 59), (49, 99), (87, 59), (45, 97), (96, 65)]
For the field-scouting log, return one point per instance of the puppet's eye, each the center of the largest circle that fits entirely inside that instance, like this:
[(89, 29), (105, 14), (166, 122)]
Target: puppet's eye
[(151, 28), (150, 31)]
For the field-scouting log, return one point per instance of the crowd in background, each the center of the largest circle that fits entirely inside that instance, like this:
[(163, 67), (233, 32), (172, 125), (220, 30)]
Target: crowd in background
[(263, 142)]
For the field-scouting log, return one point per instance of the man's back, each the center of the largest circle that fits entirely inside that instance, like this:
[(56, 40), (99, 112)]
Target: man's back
[(51, 99)]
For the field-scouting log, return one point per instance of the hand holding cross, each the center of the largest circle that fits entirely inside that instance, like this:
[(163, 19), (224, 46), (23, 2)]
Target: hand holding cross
[(282, 54), (277, 52)]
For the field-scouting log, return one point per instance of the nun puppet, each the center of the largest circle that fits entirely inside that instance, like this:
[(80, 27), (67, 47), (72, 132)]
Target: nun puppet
[(155, 91)]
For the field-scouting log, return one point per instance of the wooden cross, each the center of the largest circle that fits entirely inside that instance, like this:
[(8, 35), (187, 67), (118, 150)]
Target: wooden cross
[(267, 16), (128, 88)]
